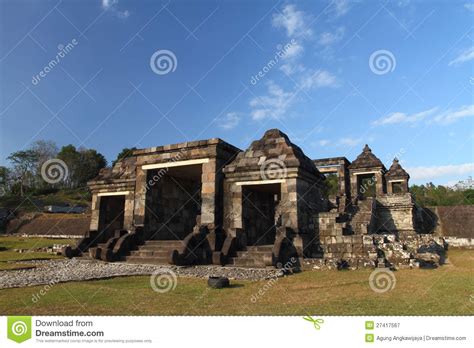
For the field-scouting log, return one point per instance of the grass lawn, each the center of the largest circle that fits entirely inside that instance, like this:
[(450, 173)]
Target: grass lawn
[(8, 244), (444, 291)]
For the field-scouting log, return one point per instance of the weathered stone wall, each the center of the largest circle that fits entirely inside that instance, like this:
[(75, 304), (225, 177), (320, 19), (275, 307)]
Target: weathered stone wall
[(173, 205), (454, 221), (395, 213), (52, 225)]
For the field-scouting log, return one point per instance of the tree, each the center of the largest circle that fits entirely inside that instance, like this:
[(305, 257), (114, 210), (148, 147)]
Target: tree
[(83, 164), (24, 163), (126, 152), (70, 156), (91, 162), (4, 178), (46, 150)]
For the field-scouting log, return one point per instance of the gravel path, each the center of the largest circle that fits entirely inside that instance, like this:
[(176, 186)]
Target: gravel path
[(58, 271)]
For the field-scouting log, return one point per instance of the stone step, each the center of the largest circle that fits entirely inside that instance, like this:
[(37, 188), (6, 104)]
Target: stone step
[(147, 260), (267, 248), (155, 247), (245, 262), (164, 243), (150, 253), (253, 254)]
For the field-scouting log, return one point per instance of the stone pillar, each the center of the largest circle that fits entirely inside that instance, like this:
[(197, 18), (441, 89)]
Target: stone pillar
[(95, 212), (128, 211), (208, 193), (379, 184), (140, 197)]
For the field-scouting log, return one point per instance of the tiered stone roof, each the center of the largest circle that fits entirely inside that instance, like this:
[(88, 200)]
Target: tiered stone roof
[(367, 160), (396, 170), (274, 145)]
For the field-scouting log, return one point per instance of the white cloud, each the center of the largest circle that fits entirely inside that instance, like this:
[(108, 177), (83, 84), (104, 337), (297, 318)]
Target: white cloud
[(400, 117), (324, 142), (465, 56), (339, 7), (111, 6), (293, 51), (469, 6), (318, 79), (454, 115), (329, 38), (348, 141), (277, 101), (293, 21), (273, 105), (290, 68), (428, 173), (229, 121)]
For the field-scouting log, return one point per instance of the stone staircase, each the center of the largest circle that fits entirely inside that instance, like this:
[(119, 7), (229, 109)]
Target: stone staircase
[(363, 216), (154, 252), (254, 256)]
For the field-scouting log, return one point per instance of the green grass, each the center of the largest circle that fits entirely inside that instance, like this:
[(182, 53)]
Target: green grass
[(443, 291), (8, 255), (34, 202)]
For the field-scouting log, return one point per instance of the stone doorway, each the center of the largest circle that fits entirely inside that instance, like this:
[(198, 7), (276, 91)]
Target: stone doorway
[(173, 201), (366, 185), (260, 213), (111, 213)]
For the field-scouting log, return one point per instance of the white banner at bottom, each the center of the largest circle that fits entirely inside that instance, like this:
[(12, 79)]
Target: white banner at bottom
[(47, 331)]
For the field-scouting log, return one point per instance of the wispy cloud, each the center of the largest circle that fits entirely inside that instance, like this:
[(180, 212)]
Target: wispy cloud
[(453, 115), (433, 115), (428, 173), (111, 6), (469, 6), (229, 121), (329, 38), (272, 105), (348, 141), (464, 56), (400, 117), (339, 8), (293, 21), (318, 79)]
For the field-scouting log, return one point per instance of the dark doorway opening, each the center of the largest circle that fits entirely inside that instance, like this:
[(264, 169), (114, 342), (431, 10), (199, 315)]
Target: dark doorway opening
[(173, 202), (366, 185), (111, 214), (397, 187), (260, 212)]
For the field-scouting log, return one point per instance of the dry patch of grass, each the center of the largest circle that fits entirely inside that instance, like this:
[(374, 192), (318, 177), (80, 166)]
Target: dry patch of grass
[(443, 291)]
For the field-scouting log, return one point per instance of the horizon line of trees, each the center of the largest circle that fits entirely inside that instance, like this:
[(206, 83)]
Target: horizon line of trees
[(27, 175)]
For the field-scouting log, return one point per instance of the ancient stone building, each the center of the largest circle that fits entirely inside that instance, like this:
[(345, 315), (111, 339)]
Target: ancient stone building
[(207, 202)]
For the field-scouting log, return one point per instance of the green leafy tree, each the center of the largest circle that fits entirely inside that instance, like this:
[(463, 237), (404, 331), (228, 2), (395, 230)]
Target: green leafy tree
[(24, 164), (126, 152)]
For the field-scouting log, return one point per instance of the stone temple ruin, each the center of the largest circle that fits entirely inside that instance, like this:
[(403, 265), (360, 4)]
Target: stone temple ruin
[(208, 202)]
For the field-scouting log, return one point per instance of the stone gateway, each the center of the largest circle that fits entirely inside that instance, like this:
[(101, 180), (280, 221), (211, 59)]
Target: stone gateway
[(208, 202)]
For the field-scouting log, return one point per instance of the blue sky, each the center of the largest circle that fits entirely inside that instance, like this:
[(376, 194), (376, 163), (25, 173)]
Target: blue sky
[(333, 75)]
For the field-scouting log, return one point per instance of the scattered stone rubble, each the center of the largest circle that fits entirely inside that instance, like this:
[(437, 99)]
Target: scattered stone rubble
[(58, 271)]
